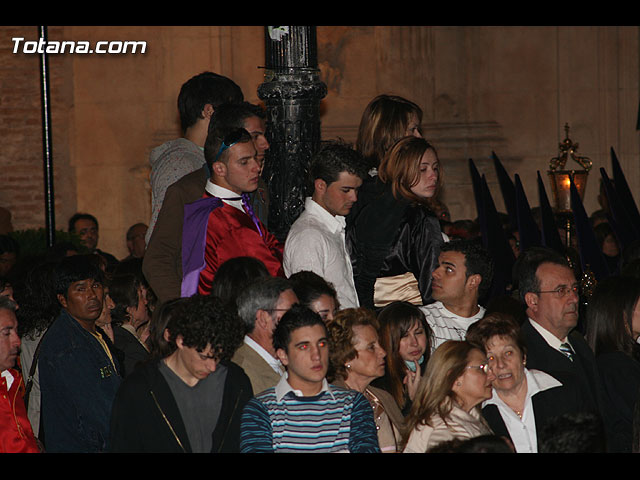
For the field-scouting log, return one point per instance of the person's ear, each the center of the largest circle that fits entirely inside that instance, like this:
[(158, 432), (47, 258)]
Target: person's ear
[(319, 186), (474, 280), (531, 299), (62, 300), (207, 111), (282, 356), (219, 169)]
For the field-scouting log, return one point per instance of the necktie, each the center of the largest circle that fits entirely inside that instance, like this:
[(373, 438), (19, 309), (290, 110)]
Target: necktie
[(567, 350)]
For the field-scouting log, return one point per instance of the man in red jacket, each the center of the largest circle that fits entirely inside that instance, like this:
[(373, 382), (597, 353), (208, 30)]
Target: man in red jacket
[(16, 434)]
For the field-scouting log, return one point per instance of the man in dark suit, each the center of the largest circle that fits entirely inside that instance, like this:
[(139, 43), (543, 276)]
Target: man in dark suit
[(549, 289)]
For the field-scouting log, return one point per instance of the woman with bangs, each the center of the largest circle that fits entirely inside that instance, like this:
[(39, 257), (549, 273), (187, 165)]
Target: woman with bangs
[(406, 337), (393, 235)]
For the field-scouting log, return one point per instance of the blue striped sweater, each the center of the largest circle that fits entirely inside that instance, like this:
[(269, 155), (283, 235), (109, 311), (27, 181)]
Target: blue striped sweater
[(335, 420)]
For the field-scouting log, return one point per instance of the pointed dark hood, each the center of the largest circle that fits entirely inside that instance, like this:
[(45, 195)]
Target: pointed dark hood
[(507, 189), (591, 256), (549, 234), (527, 227)]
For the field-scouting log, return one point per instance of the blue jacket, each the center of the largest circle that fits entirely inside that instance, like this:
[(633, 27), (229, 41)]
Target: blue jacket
[(78, 383)]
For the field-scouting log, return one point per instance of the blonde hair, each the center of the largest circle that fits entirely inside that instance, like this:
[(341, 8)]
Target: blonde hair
[(435, 394), (401, 168)]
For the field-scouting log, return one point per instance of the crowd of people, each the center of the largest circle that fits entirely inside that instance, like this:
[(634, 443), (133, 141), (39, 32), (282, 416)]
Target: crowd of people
[(369, 329)]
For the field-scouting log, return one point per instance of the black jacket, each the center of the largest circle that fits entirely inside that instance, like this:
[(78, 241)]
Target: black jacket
[(547, 404), (387, 236), (146, 418)]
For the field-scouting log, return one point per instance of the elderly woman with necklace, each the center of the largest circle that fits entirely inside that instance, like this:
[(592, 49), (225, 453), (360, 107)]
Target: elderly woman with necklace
[(356, 358), (522, 399)]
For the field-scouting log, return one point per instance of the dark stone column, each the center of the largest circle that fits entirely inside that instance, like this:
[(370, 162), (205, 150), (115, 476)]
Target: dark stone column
[(292, 92)]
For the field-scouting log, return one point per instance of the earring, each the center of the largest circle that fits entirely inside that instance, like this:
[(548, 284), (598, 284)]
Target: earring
[(348, 365)]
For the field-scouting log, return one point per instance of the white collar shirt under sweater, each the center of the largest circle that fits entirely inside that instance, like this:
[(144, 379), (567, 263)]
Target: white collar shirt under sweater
[(446, 325), (316, 242)]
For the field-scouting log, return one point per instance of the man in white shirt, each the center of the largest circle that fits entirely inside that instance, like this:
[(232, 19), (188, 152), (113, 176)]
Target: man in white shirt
[(261, 306), (316, 240), (462, 277)]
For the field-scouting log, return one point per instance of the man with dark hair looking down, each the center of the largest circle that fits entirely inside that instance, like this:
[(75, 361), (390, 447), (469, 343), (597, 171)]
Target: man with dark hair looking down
[(316, 240), (163, 262), (191, 399)]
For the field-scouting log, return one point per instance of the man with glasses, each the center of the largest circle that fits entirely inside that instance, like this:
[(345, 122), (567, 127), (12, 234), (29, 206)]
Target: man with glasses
[(234, 151), (261, 306), (550, 292)]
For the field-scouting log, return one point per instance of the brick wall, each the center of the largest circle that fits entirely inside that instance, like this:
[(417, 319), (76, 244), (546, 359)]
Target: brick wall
[(21, 152)]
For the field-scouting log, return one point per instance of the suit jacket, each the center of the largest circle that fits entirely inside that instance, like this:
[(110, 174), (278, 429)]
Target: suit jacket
[(583, 369), (546, 405), (162, 264), (260, 373)]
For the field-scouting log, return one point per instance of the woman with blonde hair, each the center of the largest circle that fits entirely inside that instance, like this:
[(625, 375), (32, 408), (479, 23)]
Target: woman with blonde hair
[(355, 359), (393, 234), (447, 402)]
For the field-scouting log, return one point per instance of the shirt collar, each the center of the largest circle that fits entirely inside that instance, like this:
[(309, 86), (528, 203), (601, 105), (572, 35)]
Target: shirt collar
[(8, 376), (549, 337), (283, 387), (223, 193), (537, 381), (335, 223)]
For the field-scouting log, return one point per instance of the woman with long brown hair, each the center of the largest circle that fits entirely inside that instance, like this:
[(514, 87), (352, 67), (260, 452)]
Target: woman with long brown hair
[(406, 337), (392, 233)]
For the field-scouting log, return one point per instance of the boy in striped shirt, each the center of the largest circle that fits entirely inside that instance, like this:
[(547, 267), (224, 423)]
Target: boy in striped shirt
[(303, 413)]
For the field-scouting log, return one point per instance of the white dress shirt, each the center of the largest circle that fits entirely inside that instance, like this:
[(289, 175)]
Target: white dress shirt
[(316, 242), (523, 430), (550, 338)]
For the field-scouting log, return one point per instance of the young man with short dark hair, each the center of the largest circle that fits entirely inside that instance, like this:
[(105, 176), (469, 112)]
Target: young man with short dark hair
[(199, 97), (163, 260), (463, 276), (316, 240), (303, 413)]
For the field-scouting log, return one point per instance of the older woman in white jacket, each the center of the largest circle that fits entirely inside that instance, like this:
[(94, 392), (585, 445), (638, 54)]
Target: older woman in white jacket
[(446, 406)]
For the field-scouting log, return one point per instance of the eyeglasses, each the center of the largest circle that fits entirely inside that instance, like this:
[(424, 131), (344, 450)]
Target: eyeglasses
[(484, 368), (229, 141), (563, 291)]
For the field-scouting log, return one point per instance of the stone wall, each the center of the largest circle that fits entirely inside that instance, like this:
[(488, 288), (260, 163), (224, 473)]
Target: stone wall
[(504, 89)]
